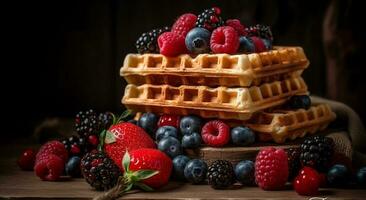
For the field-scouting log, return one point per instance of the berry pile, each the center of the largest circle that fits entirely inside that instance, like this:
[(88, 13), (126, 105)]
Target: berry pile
[(206, 33)]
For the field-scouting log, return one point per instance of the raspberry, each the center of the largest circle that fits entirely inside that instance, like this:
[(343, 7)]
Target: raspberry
[(169, 120), (307, 182), (235, 23), (271, 168), (224, 40), (216, 133), (259, 45), (171, 44), (49, 168), (184, 24), (53, 147)]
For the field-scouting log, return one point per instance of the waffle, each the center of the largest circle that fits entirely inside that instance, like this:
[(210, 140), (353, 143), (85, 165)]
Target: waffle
[(279, 125), (220, 102), (214, 70)]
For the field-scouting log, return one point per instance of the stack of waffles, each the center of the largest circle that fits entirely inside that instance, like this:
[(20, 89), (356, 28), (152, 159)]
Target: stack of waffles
[(242, 89)]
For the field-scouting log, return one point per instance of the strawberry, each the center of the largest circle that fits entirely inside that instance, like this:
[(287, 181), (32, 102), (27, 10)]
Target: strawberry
[(151, 159), (169, 120), (124, 137), (307, 182), (184, 24), (172, 44)]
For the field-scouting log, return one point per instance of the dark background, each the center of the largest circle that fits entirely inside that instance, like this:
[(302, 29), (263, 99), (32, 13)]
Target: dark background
[(64, 56)]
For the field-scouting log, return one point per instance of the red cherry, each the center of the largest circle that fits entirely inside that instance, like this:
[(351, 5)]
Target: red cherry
[(75, 149), (217, 10), (169, 120), (307, 182), (322, 180), (27, 159), (93, 140)]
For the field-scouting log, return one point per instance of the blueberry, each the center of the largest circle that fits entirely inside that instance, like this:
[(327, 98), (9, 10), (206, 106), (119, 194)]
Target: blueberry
[(195, 171), (166, 131), (72, 167), (244, 172), (299, 101), (179, 163), (171, 146), (190, 124), (246, 45), (191, 141), (242, 136), (198, 40), (337, 175), (361, 176), (267, 44), (148, 121)]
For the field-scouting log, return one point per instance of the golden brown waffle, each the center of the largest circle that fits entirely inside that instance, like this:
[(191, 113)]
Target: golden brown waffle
[(279, 125), (220, 102), (214, 70)]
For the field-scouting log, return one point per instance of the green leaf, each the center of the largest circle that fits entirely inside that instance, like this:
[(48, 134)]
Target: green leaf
[(101, 139), (126, 162), (124, 115), (128, 188), (145, 174), (109, 138), (144, 187)]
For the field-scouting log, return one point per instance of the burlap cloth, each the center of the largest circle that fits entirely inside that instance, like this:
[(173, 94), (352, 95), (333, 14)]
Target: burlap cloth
[(347, 131)]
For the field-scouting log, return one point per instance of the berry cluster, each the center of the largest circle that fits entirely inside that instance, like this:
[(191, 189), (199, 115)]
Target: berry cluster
[(206, 33)]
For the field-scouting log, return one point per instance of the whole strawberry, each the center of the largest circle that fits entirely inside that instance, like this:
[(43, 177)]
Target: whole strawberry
[(307, 182), (271, 168), (151, 159), (124, 137)]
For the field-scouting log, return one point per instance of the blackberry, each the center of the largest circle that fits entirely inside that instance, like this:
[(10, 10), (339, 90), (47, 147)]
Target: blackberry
[(86, 123), (75, 146), (147, 42), (261, 31), (105, 120), (294, 164), (220, 174), (99, 170), (210, 19), (317, 152)]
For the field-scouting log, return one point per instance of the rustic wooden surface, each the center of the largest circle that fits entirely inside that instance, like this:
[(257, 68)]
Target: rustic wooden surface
[(17, 184)]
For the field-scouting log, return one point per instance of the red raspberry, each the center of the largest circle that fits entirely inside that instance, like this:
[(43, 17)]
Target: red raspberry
[(307, 182), (184, 24), (172, 44), (169, 120), (215, 133), (235, 23), (93, 140), (271, 168), (27, 159), (258, 44), (49, 168), (224, 40), (53, 147)]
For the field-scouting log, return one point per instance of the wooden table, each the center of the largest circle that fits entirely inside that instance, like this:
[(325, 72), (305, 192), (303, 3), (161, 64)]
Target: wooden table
[(17, 184)]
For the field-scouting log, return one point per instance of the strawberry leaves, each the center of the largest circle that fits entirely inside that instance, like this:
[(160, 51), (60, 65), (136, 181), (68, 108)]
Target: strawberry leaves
[(134, 178)]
